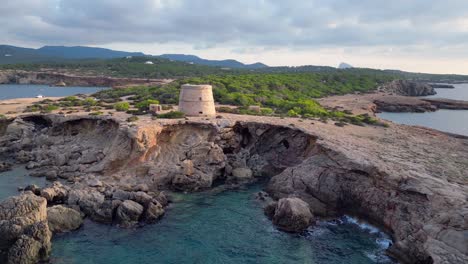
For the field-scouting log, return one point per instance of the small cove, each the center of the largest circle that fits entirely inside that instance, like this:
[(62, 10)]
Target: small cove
[(227, 227)]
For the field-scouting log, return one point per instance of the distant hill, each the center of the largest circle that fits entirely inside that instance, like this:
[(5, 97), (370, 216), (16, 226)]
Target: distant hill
[(80, 52), (13, 55), (219, 63), (344, 65)]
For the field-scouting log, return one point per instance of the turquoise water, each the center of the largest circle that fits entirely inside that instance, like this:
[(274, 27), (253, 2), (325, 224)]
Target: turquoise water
[(17, 177), (224, 228), (10, 91), (453, 121)]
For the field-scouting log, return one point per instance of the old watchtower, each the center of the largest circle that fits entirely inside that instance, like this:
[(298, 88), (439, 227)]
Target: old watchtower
[(197, 100)]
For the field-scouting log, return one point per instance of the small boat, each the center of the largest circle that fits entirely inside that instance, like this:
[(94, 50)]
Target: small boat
[(39, 96)]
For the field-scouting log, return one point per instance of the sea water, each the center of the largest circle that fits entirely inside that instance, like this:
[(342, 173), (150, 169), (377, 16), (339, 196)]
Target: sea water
[(10, 91), (227, 227), (453, 121)]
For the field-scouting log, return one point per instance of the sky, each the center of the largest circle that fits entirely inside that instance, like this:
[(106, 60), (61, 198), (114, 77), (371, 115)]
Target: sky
[(413, 35)]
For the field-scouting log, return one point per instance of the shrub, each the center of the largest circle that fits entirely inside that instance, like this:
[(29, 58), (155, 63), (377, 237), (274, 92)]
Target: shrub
[(266, 111), (49, 108), (2, 117), (122, 106), (90, 101), (144, 105), (172, 115)]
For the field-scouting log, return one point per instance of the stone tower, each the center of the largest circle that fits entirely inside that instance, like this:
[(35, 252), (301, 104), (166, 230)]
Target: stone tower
[(197, 100)]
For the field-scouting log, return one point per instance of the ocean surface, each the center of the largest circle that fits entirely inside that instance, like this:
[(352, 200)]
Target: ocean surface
[(10, 91), (453, 121), (17, 177), (228, 227)]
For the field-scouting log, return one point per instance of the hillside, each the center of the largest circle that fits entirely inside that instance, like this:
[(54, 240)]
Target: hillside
[(218, 63)]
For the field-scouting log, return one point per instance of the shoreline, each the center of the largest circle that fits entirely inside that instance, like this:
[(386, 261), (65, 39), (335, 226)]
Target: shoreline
[(372, 160)]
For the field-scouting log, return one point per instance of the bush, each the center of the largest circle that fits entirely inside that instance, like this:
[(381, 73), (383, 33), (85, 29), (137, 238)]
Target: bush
[(2, 117), (144, 105), (49, 108), (172, 115), (122, 106), (90, 101)]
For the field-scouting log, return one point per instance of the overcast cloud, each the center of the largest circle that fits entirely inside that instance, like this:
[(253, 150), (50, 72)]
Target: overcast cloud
[(374, 33)]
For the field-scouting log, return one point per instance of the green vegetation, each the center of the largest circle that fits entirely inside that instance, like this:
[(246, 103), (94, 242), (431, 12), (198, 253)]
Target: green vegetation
[(172, 115), (2, 117), (122, 67), (122, 106), (144, 105), (289, 94)]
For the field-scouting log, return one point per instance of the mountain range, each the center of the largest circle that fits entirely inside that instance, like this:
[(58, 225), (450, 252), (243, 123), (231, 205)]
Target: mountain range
[(13, 55)]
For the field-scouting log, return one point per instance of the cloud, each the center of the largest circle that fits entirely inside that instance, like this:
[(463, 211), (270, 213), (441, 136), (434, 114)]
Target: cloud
[(241, 25)]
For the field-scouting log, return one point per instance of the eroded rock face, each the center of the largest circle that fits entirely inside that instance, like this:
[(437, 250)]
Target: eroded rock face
[(408, 88), (63, 219), (332, 184), (24, 232)]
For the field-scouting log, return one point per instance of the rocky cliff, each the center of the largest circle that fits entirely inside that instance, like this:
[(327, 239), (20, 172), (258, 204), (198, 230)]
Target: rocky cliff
[(409, 181), (408, 88)]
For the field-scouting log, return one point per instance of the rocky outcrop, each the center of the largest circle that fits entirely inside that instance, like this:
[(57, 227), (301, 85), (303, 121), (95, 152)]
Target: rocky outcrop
[(55, 78), (290, 214), (408, 88), (391, 103), (441, 103), (24, 232), (5, 166), (403, 104), (63, 219), (441, 86), (409, 181), (128, 213)]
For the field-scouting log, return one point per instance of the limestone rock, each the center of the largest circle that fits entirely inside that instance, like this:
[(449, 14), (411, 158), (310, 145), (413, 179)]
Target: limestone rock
[(5, 166), (153, 212), (56, 193), (24, 232), (128, 213), (292, 215), (89, 200), (63, 219), (408, 88)]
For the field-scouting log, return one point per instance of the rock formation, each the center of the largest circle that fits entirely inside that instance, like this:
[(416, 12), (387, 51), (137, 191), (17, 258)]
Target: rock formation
[(290, 214), (117, 173), (24, 232), (408, 88), (63, 219)]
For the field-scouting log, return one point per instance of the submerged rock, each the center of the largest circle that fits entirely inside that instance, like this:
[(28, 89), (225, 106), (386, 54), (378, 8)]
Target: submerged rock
[(63, 219)]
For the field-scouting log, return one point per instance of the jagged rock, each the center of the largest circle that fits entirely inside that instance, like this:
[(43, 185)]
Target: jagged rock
[(292, 215), (89, 200), (153, 212), (94, 183), (63, 219), (56, 193), (24, 232), (128, 213)]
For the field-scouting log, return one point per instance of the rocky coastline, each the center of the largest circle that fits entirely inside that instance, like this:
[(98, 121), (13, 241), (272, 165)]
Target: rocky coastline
[(118, 173), (67, 79)]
